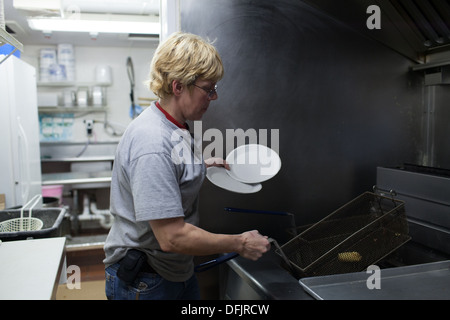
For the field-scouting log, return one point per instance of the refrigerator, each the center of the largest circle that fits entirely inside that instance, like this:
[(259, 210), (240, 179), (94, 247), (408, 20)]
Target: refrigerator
[(20, 164)]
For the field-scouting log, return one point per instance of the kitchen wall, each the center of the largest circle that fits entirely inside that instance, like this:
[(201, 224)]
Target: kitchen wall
[(437, 126), (343, 103), (118, 100)]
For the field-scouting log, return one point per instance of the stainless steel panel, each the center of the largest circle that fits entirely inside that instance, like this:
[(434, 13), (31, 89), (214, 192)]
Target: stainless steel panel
[(430, 235), (424, 186), (420, 282), (237, 289), (427, 204), (263, 279), (432, 212), (441, 133)]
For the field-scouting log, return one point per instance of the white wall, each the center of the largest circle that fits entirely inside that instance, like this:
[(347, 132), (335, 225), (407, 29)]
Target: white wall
[(118, 99)]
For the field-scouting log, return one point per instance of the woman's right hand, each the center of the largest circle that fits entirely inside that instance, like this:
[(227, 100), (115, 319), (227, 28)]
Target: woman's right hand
[(254, 245)]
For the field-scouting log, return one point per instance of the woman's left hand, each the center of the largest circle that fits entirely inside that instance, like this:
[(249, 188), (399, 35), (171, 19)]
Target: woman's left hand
[(217, 162)]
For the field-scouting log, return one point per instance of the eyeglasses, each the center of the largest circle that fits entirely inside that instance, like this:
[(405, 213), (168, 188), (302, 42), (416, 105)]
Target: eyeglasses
[(211, 93)]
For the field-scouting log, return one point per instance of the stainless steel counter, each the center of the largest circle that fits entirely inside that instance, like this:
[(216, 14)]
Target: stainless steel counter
[(427, 281), (264, 279)]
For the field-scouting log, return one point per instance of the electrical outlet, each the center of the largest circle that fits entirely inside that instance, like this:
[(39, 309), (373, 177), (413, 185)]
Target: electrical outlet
[(89, 127)]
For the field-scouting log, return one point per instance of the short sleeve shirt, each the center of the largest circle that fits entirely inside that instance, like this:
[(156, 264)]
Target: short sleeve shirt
[(157, 174)]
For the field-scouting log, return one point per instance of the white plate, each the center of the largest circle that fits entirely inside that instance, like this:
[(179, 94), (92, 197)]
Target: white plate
[(220, 178), (253, 163)]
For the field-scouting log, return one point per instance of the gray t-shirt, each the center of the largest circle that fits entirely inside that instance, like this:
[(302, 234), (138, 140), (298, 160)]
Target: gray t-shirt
[(156, 175)]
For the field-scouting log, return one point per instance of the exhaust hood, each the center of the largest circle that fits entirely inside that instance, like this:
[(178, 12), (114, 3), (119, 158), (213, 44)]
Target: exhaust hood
[(414, 28)]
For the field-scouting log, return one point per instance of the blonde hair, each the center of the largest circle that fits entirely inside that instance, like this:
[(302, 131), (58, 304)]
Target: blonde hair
[(184, 57)]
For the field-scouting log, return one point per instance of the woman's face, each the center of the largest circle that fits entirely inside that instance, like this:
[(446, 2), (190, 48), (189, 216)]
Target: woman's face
[(196, 101)]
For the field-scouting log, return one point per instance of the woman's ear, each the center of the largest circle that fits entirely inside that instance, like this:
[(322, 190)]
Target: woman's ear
[(177, 87)]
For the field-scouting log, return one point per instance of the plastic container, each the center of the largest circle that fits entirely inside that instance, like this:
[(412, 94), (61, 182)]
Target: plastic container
[(103, 74), (51, 218), (53, 191), (46, 61), (66, 59)]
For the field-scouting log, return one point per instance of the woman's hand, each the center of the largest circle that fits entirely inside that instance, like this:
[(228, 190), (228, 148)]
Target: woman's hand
[(217, 162), (255, 245)]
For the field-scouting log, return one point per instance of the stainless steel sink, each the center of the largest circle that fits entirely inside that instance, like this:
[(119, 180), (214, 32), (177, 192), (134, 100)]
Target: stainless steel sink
[(51, 218)]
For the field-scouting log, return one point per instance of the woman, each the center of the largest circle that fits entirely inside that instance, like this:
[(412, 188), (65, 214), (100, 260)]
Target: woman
[(155, 184)]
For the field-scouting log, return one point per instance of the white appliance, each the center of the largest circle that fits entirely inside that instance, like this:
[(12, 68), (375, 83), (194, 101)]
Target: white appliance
[(20, 164)]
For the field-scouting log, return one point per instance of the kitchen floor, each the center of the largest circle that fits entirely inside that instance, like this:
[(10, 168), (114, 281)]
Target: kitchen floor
[(90, 260), (90, 290)]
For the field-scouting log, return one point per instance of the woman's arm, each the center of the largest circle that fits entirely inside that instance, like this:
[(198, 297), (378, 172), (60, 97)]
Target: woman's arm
[(175, 235)]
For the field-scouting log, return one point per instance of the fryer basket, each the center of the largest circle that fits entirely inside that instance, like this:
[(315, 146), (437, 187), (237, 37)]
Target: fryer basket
[(355, 236)]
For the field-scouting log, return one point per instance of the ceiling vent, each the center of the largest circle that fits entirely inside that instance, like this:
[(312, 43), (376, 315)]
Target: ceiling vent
[(14, 29)]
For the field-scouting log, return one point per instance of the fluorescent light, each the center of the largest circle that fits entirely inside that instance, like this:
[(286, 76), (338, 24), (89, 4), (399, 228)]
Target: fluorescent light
[(98, 23), (52, 5), (138, 7), (141, 7)]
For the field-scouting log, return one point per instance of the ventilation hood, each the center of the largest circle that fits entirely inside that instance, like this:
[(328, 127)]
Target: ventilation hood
[(414, 28)]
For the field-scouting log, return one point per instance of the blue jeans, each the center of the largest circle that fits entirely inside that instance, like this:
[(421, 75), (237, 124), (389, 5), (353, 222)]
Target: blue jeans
[(149, 286)]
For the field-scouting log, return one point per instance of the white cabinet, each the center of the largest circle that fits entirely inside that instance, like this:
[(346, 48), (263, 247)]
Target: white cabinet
[(20, 174)]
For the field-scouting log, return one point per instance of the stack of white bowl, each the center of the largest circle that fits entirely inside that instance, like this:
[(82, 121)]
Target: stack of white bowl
[(66, 59)]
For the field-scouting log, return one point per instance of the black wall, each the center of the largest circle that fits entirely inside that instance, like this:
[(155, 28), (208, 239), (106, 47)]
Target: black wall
[(344, 104)]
